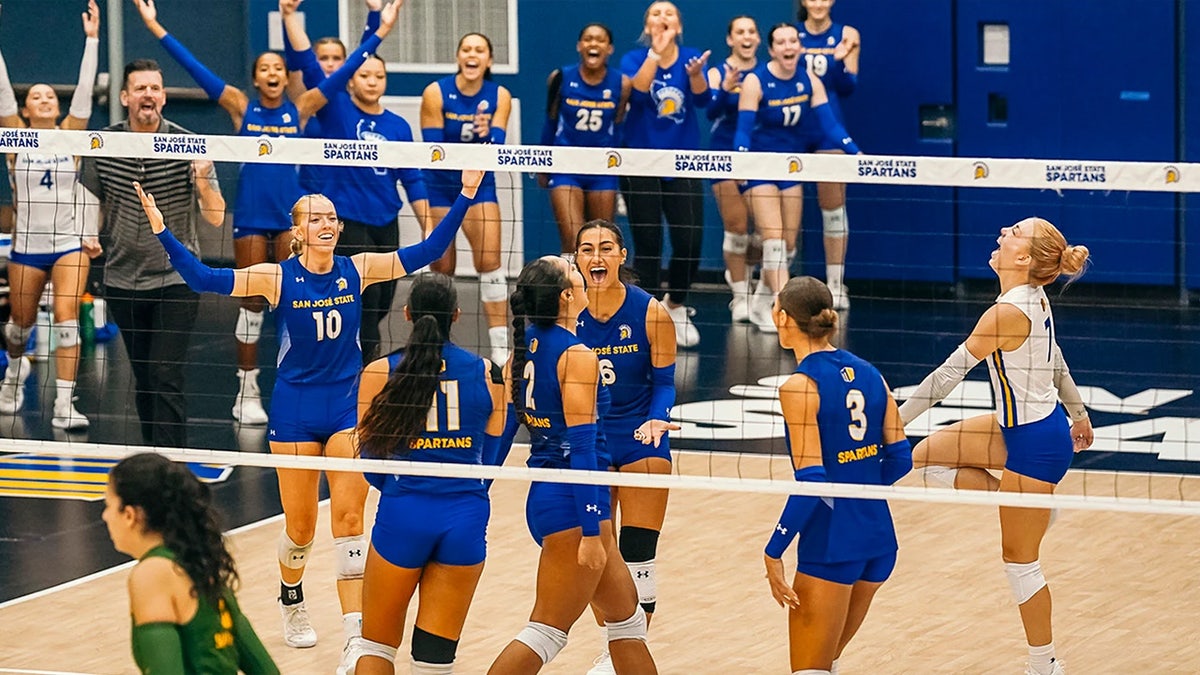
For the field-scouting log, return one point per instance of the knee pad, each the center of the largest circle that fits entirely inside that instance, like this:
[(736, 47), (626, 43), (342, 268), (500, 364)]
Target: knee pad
[(633, 628), (291, 555), (639, 546), (16, 335), (1026, 580), (736, 244), (350, 557), (430, 649), (813, 671), (419, 668), (939, 474), (67, 333), (372, 648), (249, 326), (834, 221), (774, 255), (493, 286), (545, 641)]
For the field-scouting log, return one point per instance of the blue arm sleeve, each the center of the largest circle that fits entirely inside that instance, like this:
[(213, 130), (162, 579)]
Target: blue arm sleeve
[(371, 27), (583, 457), (796, 513), (432, 134), (549, 128), (497, 136), (640, 98), (207, 79), (844, 82), (413, 181), (496, 448), (662, 392), (702, 99), (304, 62), (419, 255), (337, 81), (199, 277), (720, 99), (897, 461), (745, 126), (834, 129)]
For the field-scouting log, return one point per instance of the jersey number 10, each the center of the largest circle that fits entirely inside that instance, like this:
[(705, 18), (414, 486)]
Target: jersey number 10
[(328, 325)]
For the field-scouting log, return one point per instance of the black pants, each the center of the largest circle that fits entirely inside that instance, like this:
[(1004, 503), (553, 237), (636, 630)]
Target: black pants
[(156, 327), (681, 201), (377, 299)]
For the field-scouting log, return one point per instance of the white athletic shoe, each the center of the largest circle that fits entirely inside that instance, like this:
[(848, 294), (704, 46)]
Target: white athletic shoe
[(760, 313), (297, 629), (67, 417), (739, 306), (602, 665), (1058, 669), (686, 334), (351, 653), (247, 406), (841, 297), (12, 392)]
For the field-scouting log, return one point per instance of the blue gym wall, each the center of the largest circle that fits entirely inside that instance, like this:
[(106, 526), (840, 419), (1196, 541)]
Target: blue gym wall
[(1094, 80)]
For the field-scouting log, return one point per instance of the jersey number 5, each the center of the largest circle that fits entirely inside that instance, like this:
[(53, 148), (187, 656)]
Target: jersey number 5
[(856, 404), (328, 325)]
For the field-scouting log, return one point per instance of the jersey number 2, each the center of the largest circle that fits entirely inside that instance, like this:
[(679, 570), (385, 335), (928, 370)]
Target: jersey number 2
[(528, 375), (856, 404)]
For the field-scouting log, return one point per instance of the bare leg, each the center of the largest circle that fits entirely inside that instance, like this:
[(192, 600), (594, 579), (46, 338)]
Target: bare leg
[(815, 629), (973, 445), (1021, 532)]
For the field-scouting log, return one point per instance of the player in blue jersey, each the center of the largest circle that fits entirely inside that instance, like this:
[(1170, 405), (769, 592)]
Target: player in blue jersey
[(319, 299), (1028, 436), (831, 52), (428, 531), (585, 104), (469, 107), (634, 338), (557, 393), (842, 426), (725, 83), (266, 192), (348, 106), (668, 87), (775, 100)]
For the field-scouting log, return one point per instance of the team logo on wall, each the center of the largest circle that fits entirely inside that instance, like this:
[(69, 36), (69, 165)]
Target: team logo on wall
[(1171, 174), (264, 147), (95, 141), (612, 159), (981, 170), (794, 165), (436, 153)]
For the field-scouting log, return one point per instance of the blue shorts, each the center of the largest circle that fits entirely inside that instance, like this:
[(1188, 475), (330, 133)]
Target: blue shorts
[(781, 184), (41, 261), (311, 413), (622, 449), (1042, 449), (415, 528), (550, 508), (239, 232), (443, 188), (584, 182), (874, 570)]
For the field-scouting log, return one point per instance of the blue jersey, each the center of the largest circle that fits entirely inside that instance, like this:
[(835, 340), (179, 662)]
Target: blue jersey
[(818, 56), (665, 117), (853, 401), (365, 194), (724, 117), (320, 315), (458, 109), (267, 192), (587, 113), (455, 427), (783, 106), (623, 347), (542, 396)]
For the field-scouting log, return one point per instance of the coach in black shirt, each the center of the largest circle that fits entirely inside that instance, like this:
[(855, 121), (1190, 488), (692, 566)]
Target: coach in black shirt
[(150, 303)]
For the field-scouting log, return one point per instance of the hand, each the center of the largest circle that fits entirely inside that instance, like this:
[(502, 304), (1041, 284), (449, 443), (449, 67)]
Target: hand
[(374, 5), (147, 9), (483, 121), (783, 593), (695, 65), (543, 180), (91, 246), (845, 48), (288, 7), (732, 79), (387, 17), (152, 213), (1081, 434), (592, 554), (471, 180), (91, 20), (661, 37), (652, 431), (202, 169)]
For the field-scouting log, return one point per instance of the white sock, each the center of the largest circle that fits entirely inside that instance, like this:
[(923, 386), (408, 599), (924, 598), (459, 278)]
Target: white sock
[(812, 671), (762, 289), (352, 625), (498, 337), (833, 670), (604, 636), (834, 274), (64, 391), (14, 368), (1041, 659)]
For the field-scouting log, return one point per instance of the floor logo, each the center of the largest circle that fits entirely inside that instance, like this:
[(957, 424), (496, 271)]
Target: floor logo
[(27, 475)]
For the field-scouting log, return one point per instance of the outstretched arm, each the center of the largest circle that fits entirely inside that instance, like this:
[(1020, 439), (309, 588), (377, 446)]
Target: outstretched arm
[(315, 99), (829, 124), (81, 101), (8, 100)]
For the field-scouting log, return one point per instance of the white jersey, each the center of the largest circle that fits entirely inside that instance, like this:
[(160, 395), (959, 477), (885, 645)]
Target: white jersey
[(1023, 379), (44, 192)]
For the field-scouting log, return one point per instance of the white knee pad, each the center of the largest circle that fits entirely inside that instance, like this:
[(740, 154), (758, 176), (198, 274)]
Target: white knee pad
[(351, 556), (736, 244), (493, 286), (16, 335), (774, 256), (67, 333), (249, 326), (939, 474), (835, 222), (545, 641), (371, 648), (291, 555), (1025, 579), (420, 668), (812, 671), (633, 628), (644, 580)]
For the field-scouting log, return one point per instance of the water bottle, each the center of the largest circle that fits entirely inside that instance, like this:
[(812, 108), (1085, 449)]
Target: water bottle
[(87, 322)]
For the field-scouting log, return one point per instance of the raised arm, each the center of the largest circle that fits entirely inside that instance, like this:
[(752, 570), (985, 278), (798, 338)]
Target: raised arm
[(9, 116), (848, 53), (315, 99), (694, 68), (81, 101), (304, 72)]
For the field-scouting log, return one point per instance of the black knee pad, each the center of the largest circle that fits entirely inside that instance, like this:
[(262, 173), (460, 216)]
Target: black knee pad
[(430, 648), (638, 544)]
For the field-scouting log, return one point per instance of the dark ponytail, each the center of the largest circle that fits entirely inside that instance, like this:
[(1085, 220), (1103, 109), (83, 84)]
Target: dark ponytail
[(535, 300), (179, 507), (397, 414)]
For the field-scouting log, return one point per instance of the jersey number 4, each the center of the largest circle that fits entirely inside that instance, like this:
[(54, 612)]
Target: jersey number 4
[(47, 180)]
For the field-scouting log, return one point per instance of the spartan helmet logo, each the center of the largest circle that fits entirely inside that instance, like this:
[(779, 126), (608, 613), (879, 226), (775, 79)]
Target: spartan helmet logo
[(436, 153), (626, 331), (612, 159), (342, 284), (981, 170), (95, 141), (794, 164), (264, 147), (1172, 175)]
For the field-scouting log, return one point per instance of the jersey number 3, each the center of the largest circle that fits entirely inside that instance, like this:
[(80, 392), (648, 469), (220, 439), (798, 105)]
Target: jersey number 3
[(856, 404)]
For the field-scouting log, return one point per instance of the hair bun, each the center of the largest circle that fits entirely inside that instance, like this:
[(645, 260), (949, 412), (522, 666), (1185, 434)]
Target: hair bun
[(1074, 258)]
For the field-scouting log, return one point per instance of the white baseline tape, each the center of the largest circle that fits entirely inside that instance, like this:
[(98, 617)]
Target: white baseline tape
[(670, 481), (1058, 174)]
